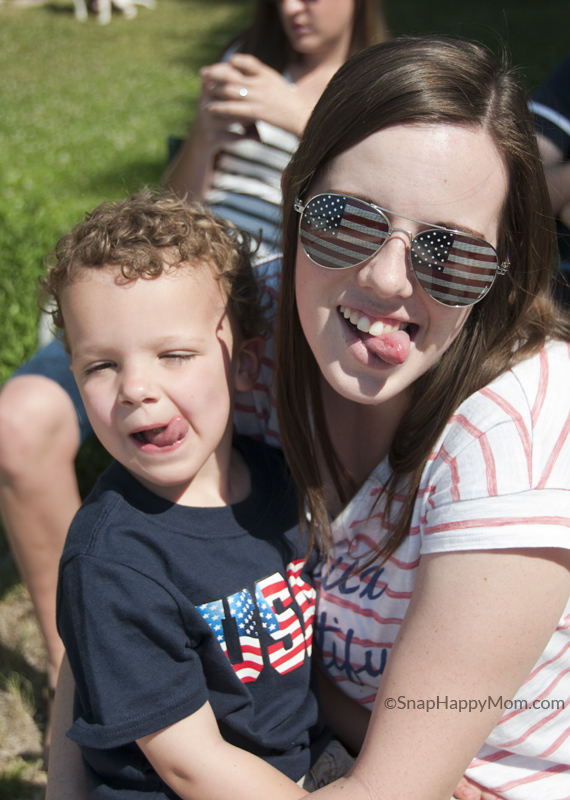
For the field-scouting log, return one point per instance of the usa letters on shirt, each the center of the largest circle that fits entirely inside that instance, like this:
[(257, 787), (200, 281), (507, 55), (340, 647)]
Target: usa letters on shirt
[(283, 607)]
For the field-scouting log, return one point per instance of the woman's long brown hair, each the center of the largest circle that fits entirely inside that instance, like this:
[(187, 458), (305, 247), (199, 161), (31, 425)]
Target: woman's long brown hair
[(428, 79)]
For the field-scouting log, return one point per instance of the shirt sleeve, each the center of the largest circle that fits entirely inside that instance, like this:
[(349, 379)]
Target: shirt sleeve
[(501, 476), (550, 107), (136, 672)]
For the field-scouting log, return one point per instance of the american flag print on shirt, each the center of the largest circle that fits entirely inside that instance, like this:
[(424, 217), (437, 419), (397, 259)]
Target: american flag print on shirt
[(284, 608)]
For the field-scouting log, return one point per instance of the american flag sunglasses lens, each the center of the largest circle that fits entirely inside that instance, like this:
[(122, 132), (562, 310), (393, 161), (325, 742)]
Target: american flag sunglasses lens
[(338, 231), (454, 268)]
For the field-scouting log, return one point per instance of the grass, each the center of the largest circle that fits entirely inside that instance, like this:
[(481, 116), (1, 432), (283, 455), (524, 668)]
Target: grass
[(85, 115)]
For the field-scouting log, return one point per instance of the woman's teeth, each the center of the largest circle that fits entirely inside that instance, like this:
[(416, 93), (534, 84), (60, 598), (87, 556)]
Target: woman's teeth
[(363, 323)]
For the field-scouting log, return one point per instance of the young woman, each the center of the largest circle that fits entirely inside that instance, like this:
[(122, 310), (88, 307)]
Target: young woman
[(422, 385), (284, 63), (255, 103)]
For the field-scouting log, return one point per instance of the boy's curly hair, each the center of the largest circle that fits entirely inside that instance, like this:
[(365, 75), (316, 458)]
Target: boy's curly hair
[(134, 234)]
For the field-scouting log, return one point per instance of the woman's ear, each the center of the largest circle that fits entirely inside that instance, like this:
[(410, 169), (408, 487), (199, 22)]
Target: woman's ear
[(248, 362)]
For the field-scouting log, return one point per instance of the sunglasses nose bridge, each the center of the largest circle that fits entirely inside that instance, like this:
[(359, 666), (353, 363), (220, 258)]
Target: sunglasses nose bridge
[(396, 229), (388, 271)]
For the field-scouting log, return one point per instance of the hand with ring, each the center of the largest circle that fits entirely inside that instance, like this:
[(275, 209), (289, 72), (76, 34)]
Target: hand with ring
[(244, 89)]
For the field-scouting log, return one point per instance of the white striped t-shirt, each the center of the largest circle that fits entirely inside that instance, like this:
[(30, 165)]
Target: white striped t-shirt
[(499, 477)]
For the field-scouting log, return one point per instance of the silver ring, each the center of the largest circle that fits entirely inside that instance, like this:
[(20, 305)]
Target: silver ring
[(243, 92)]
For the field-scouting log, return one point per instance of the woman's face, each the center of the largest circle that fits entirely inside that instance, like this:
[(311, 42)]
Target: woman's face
[(441, 174), (317, 27)]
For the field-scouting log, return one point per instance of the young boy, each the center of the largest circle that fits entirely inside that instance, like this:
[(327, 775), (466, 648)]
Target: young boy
[(183, 600)]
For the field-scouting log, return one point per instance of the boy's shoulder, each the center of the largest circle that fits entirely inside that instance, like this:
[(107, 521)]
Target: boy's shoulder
[(114, 490), (119, 508)]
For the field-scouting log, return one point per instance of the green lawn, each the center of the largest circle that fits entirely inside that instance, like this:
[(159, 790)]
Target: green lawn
[(85, 112)]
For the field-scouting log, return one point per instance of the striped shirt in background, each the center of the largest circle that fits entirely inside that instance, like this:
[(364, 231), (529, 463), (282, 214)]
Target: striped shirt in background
[(246, 185)]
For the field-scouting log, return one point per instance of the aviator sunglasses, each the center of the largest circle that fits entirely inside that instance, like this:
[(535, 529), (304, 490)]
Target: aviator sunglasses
[(339, 231)]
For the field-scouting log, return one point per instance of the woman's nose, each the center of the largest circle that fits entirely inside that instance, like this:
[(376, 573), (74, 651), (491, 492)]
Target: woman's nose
[(137, 387), (389, 273), (289, 7)]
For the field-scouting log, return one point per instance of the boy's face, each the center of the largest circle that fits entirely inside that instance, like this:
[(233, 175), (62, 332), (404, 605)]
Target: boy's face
[(157, 363)]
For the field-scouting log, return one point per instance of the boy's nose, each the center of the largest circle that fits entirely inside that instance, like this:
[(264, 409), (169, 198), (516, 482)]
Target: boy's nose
[(389, 273), (137, 388)]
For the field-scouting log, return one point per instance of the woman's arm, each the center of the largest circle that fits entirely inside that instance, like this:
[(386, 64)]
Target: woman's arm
[(66, 775), (190, 172), (476, 625), (349, 720)]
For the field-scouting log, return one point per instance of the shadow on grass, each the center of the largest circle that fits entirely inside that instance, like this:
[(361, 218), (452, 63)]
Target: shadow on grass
[(60, 9), (12, 662), (13, 784), (17, 675)]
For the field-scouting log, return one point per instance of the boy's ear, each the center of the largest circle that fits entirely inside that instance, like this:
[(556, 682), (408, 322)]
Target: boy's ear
[(249, 355)]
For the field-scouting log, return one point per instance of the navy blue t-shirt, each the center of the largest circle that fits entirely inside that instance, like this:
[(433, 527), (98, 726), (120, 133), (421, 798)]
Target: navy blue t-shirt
[(163, 607)]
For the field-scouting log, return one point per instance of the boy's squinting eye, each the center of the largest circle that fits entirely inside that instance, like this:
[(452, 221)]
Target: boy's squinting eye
[(102, 365), (177, 357)]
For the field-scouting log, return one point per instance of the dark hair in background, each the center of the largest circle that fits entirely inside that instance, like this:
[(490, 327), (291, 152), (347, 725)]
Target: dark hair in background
[(266, 39), (424, 79)]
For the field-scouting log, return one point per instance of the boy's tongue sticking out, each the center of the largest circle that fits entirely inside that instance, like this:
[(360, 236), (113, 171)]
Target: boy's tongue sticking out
[(165, 436)]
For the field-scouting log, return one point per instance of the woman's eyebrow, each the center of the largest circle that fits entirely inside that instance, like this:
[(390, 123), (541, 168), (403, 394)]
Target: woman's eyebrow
[(452, 226)]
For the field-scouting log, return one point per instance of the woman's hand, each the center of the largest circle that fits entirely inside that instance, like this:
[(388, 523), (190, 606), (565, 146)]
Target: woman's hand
[(211, 132), (245, 90)]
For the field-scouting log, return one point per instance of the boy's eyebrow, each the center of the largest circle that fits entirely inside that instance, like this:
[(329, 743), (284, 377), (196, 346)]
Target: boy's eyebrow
[(180, 342)]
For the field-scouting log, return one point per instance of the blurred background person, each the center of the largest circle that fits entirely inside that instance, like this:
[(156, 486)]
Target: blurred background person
[(255, 103)]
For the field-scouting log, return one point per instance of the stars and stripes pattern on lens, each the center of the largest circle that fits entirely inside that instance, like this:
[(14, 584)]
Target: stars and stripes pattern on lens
[(339, 231), (430, 249), (466, 274)]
